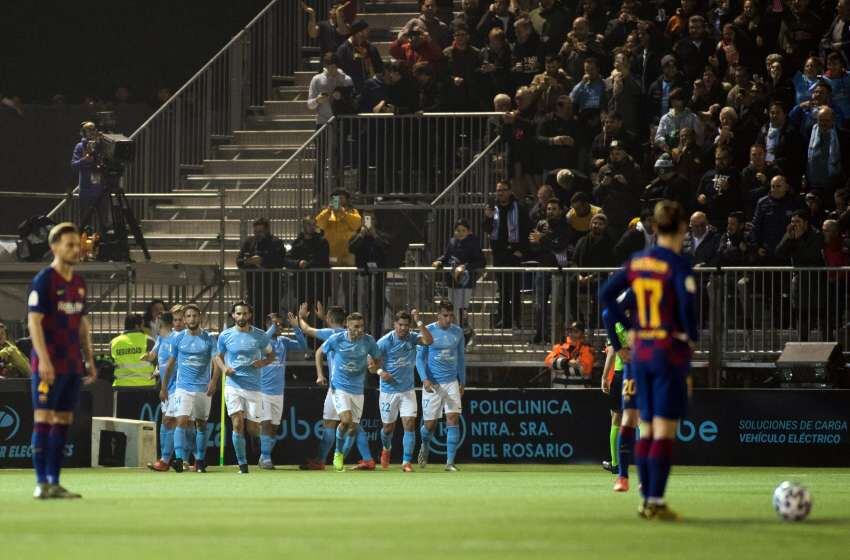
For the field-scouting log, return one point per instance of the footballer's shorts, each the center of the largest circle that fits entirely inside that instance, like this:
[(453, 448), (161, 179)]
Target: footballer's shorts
[(194, 404), (393, 404), (62, 395), (444, 399), (169, 407), (329, 411), (629, 392), (615, 392), (661, 380), (346, 402), (238, 399), (272, 408)]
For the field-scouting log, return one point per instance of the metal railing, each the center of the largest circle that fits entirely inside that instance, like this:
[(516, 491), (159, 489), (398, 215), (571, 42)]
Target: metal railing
[(178, 137)]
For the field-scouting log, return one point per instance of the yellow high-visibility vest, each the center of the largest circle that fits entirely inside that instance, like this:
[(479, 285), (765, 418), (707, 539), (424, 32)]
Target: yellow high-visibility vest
[(127, 352)]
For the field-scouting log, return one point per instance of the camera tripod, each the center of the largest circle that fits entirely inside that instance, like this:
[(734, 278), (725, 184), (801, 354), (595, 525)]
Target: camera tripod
[(122, 219)]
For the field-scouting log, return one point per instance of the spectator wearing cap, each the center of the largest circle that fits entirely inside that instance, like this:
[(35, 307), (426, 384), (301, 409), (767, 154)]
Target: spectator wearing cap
[(693, 52), (580, 214), (720, 189), (358, 58), (679, 116), (557, 137), (462, 79), (618, 189), (828, 155), (668, 184), (756, 177), (572, 357), (427, 19), (782, 141), (701, 241), (612, 129), (658, 93), (596, 249)]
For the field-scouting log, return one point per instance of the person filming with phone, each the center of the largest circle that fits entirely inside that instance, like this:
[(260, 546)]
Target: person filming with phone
[(340, 222)]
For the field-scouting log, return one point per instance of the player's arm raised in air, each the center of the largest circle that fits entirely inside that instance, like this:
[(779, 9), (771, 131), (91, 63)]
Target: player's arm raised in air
[(426, 337)]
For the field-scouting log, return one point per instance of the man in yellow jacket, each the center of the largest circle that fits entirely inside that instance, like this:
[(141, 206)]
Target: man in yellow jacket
[(339, 222), (128, 352)]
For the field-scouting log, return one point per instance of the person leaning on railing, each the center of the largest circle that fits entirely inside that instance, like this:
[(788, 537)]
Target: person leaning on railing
[(262, 253), (803, 246)]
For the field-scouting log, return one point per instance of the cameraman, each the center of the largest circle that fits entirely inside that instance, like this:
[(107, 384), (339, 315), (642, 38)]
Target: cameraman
[(90, 179), (573, 358)]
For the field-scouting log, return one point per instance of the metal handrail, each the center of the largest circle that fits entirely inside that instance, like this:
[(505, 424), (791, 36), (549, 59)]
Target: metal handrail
[(286, 163), (467, 170)]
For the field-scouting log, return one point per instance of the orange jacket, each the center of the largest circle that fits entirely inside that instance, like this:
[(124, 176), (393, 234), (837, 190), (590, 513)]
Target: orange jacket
[(582, 352)]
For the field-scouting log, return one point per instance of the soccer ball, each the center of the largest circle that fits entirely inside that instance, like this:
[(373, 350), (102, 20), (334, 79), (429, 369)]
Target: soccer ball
[(792, 501)]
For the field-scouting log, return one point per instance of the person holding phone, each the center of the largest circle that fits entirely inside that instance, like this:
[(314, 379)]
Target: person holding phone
[(339, 222), (370, 247)]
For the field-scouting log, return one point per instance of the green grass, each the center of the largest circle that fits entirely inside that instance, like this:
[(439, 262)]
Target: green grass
[(482, 512)]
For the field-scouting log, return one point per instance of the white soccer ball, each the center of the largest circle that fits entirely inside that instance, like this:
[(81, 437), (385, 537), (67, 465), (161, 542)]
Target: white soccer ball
[(792, 501)]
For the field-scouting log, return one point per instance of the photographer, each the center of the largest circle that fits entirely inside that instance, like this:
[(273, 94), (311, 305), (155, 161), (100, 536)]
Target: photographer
[(90, 180), (573, 358)]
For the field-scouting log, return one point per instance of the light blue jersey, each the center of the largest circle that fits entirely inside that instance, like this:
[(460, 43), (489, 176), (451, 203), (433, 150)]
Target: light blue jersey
[(241, 349), (399, 360), (162, 349), (324, 334), (443, 361), (348, 368), (273, 376), (193, 355)]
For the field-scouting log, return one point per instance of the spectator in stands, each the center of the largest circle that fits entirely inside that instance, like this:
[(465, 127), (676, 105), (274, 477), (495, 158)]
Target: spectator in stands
[(782, 142), (828, 155), (841, 214), (619, 28), (771, 219), (595, 16), (836, 253), (310, 250), (551, 23), (579, 215), (416, 45), (508, 225), (612, 129), (427, 19), (325, 87), (624, 94), (780, 88), (528, 55), (678, 117), (814, 205), (720, 189), (538, 211), (733, 249), (658, 94), (389, 92), (464, 259), (370, 247), (358, 58), (694, 51), (574, 357), (800, 31), (618, 189), (589, 99), (837, 36), (497, 16), (339, 221), (701, 241), (429, 92), (596, 249), (524, 159), (639, 236), (668, 184), (806, 79), (805, 115), (556, 136), (549, 242), (689, 158), (839, 81), (551, 84), (332, 32), (496, 63), (261, 254), (677, 26), (803, 247), (580, 45), (756, 177), (463, 62), (13, 364), (471, 12)]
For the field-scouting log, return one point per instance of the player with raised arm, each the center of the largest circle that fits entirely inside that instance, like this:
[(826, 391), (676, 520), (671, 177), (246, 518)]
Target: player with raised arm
[(443, 373), (663, 284), (397, 394), (273, 380), (170, 323), (192, 351), (348, 374), (61, 335), (243, 351)]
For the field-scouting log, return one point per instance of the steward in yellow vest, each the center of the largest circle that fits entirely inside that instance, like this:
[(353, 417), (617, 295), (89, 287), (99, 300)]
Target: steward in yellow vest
[(128, 353)]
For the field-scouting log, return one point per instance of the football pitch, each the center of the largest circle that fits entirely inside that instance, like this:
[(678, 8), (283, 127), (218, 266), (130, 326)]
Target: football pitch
[(505, 511)]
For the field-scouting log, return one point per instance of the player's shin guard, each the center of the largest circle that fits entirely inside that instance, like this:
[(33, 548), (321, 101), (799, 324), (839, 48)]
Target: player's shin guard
[(55, 451), (328, 440), (387, 439), (660, 459), (180, 443), (363, 445), (612, 441), (452, 439), (425, 435), (408, 443), (40, 434), (166, 442), (642, 463), (201, 444), (625, 447), (266, 446), (239, 446)]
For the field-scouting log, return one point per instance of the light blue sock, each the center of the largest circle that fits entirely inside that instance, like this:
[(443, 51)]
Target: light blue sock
[(166, 443), (408, 443), (189, 440), (452, 437), (201, 444), (239, 447), (425, 435), (180, 443), (340, 439), (387, 439), (328, 440), (266, 446), (348, 444), (363, 445)]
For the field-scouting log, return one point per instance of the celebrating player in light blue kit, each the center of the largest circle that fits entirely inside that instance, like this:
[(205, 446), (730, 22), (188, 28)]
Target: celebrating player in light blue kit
[(192, 350), (170, 323), (272, 380), (443, 373), (397, 395), (240, 355), (348, 373)]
